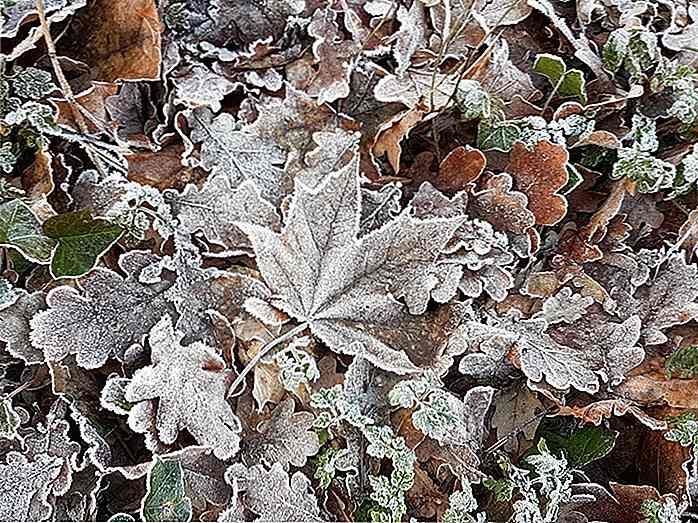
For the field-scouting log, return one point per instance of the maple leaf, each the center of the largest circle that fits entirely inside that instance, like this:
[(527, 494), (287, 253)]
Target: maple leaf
[(237, 153), (110, 315), (190, 383), (286, 438), (273, 496), (345, 288)]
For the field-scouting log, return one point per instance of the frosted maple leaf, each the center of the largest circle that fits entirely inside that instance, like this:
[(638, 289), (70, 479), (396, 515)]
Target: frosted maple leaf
[(347, 289)]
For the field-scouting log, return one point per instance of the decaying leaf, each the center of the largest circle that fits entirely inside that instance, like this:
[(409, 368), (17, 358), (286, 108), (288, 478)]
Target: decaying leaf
[(539, 174)]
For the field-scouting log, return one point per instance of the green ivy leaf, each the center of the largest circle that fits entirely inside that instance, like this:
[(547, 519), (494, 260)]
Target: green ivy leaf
[(165, 499), (499, 136), (121, 516), (21, 230), (81, 240), (583, 446), (565, 83)]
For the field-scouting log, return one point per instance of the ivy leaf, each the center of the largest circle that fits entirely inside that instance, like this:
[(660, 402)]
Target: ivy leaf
[(104, 316), (584, 445), (286, 438), (25, 485), (81, 242), (566, 83), (273, 496), (347, 289), (190, 383), (21, 230), (165, 499)]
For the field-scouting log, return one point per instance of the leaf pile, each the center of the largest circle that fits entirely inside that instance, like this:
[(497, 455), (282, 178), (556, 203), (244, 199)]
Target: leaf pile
[(330, 260)]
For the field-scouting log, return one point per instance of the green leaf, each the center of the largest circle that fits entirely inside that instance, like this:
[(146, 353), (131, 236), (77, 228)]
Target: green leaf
[(573, 85), (683, 363), (165, 499), (583, 446), (81, 239), (121, 516), (551, 66), (20, 229), (499, 136), (566, 83)]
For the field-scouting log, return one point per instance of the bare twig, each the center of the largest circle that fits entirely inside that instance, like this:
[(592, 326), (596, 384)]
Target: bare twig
[(53, 56)]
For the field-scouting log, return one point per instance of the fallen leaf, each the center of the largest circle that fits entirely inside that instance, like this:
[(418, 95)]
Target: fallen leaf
[(540, 173)]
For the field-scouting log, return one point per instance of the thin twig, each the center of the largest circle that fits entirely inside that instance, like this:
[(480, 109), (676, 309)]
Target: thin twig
[(263, 352), (53, 56), (63, 82)]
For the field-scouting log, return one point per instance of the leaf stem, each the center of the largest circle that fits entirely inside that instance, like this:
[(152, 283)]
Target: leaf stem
[(263, 352)]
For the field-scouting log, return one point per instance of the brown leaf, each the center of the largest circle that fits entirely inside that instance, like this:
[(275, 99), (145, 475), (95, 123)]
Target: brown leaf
[(426, 501), (392, 132), (539, 174), (93, 100), (120, 40), (621, 505), (648, 385), (688, 234), (504, 208), (162, 169), (460, 167)]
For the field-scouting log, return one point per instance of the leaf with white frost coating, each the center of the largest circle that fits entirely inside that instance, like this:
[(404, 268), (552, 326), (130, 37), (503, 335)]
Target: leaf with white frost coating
[(286, 438), (216, 207), (273, 496), (165, 499), (53, 440), (238, 154), (20, 229), (15, 329), (190, 383), (25, 485), (197, 292), (668, 299), (110, 315), (9, 420), (348, 289)]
